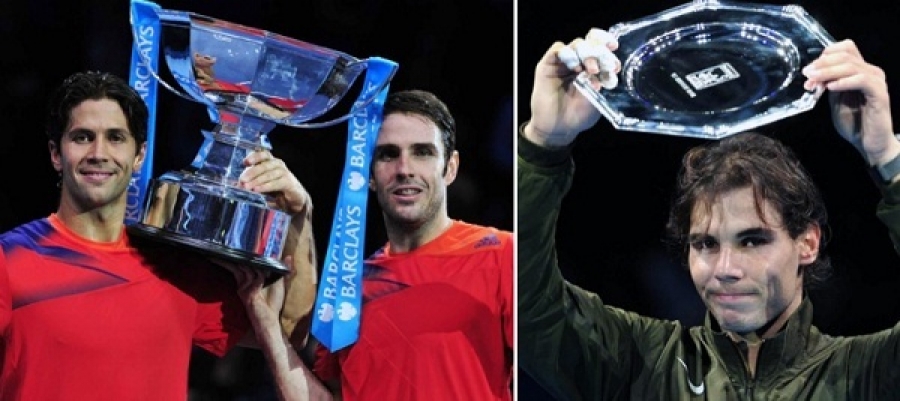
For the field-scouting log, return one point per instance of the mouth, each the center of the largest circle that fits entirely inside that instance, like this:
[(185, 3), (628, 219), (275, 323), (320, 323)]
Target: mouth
[(406, 193), (96, 176), (730, 298)]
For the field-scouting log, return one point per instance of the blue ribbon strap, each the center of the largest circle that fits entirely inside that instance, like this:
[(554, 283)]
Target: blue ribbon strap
[(145, 46), (339, 297)]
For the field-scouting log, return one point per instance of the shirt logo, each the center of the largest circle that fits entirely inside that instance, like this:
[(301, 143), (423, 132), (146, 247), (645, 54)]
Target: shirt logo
[(696, 389), (488, 241)]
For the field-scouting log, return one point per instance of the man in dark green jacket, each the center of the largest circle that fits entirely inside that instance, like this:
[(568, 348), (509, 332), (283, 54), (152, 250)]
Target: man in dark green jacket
[(750, 221)]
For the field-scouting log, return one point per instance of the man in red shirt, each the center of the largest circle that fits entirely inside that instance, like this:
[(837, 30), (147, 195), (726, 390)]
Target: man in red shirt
[(437, 298), (86, 311), (437, 312)]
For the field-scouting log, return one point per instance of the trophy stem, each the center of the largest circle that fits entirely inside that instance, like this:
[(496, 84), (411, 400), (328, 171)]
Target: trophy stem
[(221, 158)]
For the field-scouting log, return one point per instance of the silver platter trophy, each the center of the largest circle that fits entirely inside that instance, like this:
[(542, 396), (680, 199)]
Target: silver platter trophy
[(710, 69), (249, 80)]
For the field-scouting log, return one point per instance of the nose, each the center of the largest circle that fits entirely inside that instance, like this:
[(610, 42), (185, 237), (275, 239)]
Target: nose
[(403, 166), (727, 268), (99, 149)]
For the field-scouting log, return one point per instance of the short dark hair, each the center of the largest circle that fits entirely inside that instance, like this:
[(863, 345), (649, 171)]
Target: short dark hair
[(767, 166), (428, 105), (95, 85)]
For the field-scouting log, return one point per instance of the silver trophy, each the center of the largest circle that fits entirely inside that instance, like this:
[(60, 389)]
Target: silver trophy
[(710, 69), (250, 80)]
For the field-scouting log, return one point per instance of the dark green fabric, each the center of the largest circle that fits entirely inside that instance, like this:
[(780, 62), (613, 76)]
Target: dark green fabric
[(579, 348)]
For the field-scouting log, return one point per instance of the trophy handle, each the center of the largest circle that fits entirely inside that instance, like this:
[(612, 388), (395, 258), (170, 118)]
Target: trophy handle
[(146, 14), (357, 105), (147, 22)]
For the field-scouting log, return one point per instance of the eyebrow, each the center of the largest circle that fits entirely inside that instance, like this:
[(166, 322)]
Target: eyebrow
[(750, 232), (90, 131), (414, 145)]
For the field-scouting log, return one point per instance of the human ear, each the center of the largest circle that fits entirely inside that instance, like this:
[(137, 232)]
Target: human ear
[(55, 157), (810, 241), (452, 168)]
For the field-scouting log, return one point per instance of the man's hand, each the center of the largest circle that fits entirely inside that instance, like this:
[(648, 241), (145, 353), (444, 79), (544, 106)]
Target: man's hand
[(558, 111), (264, 173), (261, 300), (860, 105)]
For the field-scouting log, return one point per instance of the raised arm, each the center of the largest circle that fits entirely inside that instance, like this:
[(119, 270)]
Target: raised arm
[(293, 379), (861, 112), (568, 340), (268, 174), (858, 96)]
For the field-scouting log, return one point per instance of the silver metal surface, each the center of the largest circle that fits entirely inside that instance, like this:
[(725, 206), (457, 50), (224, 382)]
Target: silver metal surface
[(215, 219), (250, 80)]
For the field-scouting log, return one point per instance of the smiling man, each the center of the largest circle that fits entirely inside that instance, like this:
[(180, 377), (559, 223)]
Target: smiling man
[(437, 298), (99, 314), (750, 222)]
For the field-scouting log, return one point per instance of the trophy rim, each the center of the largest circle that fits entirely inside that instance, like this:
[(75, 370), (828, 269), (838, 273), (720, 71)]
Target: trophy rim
[(627, 108), (245, 100)]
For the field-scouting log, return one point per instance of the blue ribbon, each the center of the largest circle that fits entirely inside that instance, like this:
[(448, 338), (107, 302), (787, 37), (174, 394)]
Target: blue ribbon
[(145, 47), (339, 297)]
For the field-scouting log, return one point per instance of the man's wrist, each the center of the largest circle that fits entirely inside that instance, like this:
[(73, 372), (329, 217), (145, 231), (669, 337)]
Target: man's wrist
[(889, 171), (545, 139), (542, 156)]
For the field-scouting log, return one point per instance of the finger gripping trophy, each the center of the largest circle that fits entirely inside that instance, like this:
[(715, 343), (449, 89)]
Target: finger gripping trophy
[(249, 80)]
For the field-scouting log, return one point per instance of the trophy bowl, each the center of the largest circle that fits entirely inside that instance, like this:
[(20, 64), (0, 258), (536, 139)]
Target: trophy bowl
[(710, 69), (250, 80)]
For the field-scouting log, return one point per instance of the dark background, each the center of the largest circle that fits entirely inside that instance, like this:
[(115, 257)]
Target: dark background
[(611, 226), (460, 50)]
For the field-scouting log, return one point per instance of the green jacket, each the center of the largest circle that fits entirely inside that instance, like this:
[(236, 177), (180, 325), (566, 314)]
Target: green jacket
[(579, 348)]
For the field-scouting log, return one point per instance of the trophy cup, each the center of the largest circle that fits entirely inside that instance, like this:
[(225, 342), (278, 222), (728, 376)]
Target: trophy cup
[(710, 69), (249, 80)]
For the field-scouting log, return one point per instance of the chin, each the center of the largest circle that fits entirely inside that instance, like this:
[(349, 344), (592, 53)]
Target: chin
[(738, 322)]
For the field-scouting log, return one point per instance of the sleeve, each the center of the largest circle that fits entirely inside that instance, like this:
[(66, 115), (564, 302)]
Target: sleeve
[(888, 212), (221, 320), (507, 308), (326, 365), (569, 341)]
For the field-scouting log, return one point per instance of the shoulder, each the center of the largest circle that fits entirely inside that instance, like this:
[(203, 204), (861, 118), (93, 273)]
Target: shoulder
[(481, 235), (25, 234), (470, 240)]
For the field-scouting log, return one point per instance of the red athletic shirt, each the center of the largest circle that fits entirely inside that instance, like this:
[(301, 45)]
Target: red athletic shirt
[(85, 320), (436, 322)]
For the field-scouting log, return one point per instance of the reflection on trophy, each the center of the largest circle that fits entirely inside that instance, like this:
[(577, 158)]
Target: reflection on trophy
[(250, 80), (710, 68)]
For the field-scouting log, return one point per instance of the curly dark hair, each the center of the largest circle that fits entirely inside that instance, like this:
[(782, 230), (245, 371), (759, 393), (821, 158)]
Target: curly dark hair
[(95, 85), (767, 166)]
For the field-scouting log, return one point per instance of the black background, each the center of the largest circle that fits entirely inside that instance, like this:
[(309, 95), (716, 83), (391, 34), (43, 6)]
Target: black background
[(460, 50), (611, 226)]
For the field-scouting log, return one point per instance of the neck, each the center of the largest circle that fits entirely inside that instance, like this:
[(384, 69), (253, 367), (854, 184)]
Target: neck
[(755, 339), (103, 224), (407, 237)]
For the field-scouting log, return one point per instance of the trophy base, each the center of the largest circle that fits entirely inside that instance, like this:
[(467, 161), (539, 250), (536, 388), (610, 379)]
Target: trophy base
[(273, 267), (216, 220)]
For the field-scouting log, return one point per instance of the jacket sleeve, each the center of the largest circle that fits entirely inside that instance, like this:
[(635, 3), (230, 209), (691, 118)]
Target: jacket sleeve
[(568, 340), (888, 212)]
